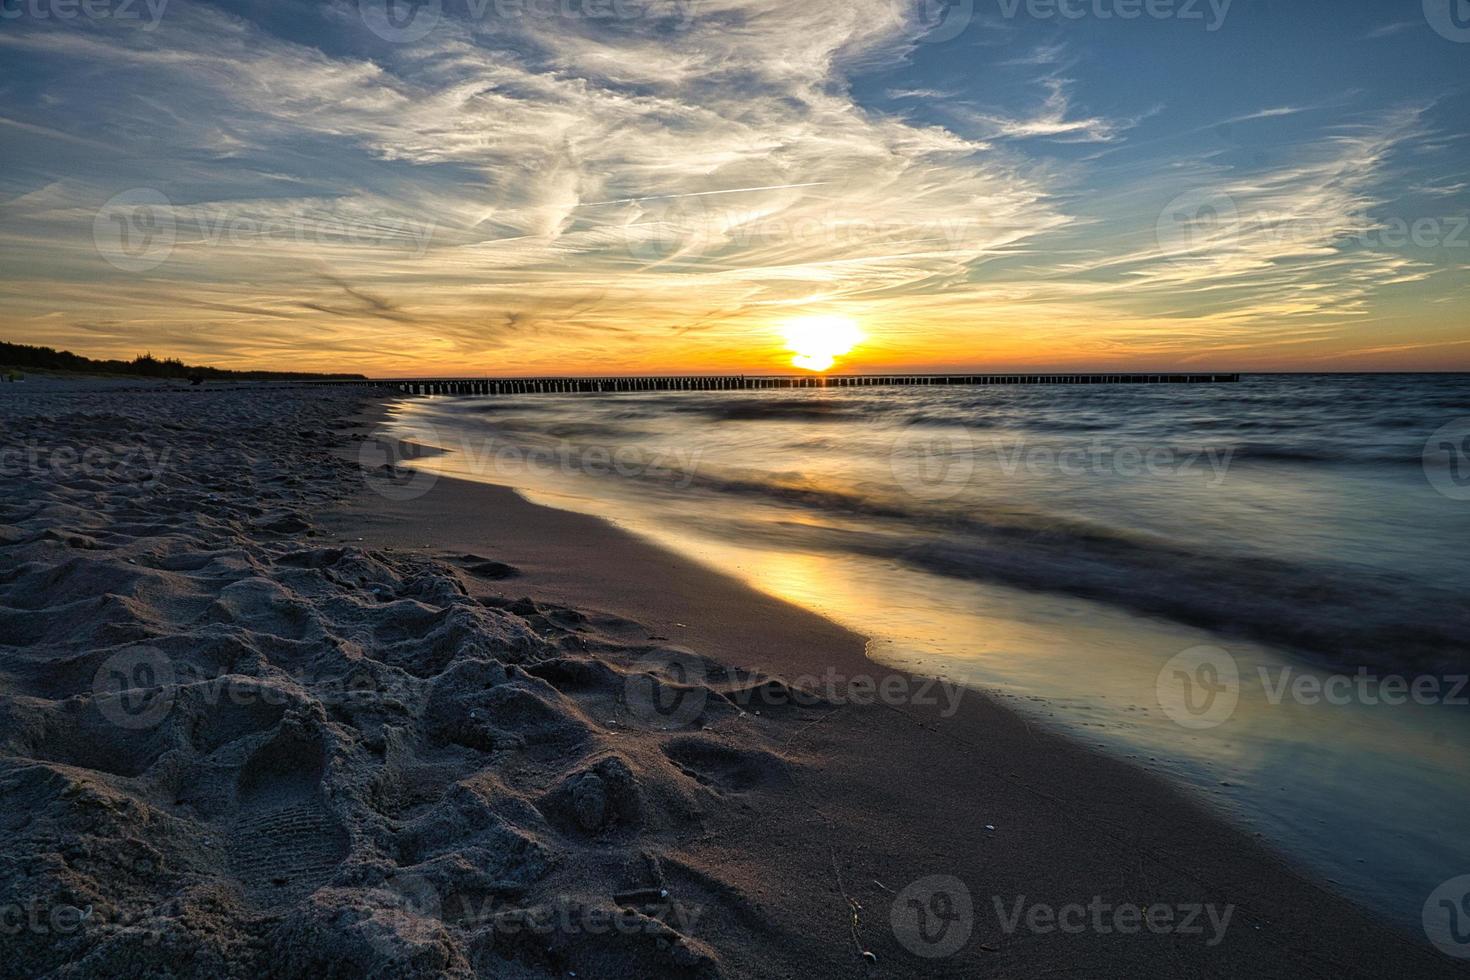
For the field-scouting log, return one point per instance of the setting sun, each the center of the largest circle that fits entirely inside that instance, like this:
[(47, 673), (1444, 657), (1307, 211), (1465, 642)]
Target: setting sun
[(817, 341)]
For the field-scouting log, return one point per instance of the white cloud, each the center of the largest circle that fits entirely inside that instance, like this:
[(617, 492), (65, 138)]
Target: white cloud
[(1053, 120)]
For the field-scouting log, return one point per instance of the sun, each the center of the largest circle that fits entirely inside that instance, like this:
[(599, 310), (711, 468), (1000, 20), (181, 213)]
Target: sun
[(817, 341)]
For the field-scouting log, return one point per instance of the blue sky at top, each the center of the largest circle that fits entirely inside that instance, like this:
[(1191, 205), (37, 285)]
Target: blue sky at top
[(656, 183)]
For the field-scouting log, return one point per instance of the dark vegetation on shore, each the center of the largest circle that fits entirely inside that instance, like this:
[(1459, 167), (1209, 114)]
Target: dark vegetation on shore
[(25, 356)]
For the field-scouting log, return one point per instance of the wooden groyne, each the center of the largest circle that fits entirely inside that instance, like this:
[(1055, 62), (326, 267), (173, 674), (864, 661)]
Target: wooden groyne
[(700, 382)]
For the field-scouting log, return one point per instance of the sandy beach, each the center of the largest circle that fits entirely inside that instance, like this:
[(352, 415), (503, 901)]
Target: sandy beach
[(269, 712)]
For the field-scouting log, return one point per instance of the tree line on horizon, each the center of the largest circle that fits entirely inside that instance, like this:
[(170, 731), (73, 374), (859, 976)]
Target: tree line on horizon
[(36, 358)]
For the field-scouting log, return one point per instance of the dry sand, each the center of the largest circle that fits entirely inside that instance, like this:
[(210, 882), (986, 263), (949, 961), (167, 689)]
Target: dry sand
[(259, 720)]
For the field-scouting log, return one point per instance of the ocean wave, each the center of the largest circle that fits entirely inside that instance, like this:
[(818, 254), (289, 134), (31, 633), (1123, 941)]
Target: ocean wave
[(1334, 615), (1341, 615), (785, 410), (1342, 565), (1289, 453)]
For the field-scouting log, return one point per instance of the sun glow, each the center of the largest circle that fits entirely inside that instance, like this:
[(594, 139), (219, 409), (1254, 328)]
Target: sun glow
[(817, 341)]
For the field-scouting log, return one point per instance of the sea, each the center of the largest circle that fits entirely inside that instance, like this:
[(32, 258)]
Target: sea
[(1259, 591)]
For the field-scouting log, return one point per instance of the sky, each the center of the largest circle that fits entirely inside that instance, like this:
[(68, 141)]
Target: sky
[(505, 187)]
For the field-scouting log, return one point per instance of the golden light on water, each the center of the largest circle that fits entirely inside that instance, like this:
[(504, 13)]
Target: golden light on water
[(817, 341)]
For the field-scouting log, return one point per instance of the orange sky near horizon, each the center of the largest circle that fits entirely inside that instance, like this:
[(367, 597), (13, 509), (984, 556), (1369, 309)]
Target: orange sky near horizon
[(740, 347)]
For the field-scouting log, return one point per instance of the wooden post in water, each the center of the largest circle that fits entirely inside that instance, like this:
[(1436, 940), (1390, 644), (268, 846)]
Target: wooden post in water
[(591, 385)]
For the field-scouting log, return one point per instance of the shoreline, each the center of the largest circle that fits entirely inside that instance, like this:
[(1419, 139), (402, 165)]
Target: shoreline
[(808, 511), (573, 559), (395, 755)]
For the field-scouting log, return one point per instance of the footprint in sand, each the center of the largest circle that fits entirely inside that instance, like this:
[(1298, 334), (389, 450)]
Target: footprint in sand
[(284, 843)]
